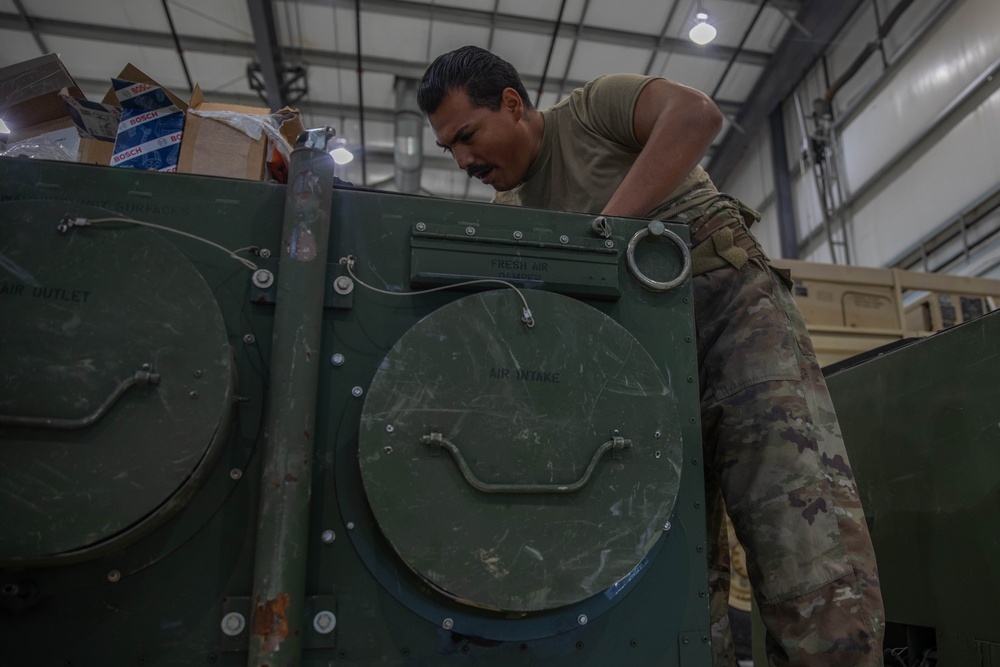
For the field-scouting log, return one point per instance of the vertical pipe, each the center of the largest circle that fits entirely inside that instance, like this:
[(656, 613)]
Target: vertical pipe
[(290, 414)]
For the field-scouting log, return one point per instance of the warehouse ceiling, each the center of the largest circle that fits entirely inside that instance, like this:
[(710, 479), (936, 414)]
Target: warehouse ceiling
[(339, 65)]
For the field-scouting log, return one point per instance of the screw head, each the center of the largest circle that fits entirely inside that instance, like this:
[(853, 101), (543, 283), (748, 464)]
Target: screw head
[(350, 525), (582, 619), (337, 359), (328, 536), (114, 576), (518, 235), (249, 339), (387, 449), (421, 227), (563, 239), (233, 624), (324, 622), (198, 373), (448, 624), (470, 231), (236, 473), (389, 428), (193, 394), (343, 285), (666, 526), (265, 253), (357, 391), (609, 244)]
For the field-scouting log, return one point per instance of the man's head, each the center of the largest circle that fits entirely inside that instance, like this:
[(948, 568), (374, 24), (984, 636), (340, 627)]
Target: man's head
[(480, 74), (480, 113)]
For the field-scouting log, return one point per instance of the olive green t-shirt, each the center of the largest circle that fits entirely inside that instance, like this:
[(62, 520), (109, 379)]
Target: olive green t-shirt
[(588, 146)]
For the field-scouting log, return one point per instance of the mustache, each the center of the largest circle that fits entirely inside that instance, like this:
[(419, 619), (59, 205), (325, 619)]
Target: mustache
[(475, 170)]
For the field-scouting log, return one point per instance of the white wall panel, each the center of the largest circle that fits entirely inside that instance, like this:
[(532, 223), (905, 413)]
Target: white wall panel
[(753, 178), (962, 167), (962, 47)]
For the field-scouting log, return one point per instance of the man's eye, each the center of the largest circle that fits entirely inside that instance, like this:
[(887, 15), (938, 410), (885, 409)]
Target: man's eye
[(446, 149)]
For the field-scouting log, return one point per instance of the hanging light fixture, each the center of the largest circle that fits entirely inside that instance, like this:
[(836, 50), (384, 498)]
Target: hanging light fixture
[(340, 154), (703, 32)]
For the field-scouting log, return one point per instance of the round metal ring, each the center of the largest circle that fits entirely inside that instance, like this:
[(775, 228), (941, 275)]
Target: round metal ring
[(649, 283)]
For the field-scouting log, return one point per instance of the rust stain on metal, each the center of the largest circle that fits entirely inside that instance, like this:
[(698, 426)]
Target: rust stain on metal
[(289, 477), (270, 622)]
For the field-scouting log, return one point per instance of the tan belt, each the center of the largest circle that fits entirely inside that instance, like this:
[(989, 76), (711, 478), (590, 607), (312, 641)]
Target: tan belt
[(717, 251)]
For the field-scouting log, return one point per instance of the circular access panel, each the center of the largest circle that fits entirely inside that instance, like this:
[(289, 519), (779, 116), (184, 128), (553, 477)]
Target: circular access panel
[(516, 468), (117, 382)]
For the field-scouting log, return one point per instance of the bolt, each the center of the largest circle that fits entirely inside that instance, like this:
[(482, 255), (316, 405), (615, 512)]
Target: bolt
[(609, 244), (357, 391), (518, 235), (328, 536), (337, 359), (388, 449), (249, 339), (114, 576), (666, 526), (193, 394), (389, 428), (324, 622), (233, 624), (690, 378), (265, 253), (263, 278), (343, 285), (657, 454), (582, 619), (657, 435), (686, 640), (421, 227), (563, 239), (198, 374), (235, 473), (471, 231), (448, 624), (350, 525)]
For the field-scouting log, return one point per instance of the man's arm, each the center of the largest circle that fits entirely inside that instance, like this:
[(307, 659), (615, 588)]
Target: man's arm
[(675, 125)]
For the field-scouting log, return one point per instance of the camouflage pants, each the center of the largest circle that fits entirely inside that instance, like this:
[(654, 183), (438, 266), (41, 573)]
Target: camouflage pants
[(774, 453)]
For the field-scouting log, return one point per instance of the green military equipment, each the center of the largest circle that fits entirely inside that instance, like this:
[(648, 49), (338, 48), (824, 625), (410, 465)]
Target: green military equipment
[(439, 432), (921, 423)]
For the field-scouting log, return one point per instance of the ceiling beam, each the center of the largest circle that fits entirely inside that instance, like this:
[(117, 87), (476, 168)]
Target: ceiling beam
[(268, 52), (793, 59), (526, 24), (31, 27), (345, 61)]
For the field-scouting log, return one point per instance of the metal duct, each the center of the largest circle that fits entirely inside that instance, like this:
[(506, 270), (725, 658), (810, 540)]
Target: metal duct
[(408, 152)]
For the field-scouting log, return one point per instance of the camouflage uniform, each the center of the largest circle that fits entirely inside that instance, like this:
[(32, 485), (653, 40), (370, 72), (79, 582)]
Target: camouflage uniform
[(774, 453)]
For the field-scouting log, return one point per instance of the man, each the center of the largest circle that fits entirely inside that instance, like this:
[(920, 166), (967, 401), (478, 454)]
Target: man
[(626, 145)]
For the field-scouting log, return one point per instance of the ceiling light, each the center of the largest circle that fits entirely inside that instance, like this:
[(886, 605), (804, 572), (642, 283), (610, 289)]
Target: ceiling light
[(340, 154), (703, 32)]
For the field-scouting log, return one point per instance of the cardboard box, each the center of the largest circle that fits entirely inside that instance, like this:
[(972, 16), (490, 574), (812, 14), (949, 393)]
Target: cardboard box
[(30, 104), (214, 148)]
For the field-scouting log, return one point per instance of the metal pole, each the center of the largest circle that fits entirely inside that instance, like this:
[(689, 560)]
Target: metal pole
[(276, 626)]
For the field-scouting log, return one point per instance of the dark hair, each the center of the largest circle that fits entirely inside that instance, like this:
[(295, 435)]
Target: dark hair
[(480, 74)]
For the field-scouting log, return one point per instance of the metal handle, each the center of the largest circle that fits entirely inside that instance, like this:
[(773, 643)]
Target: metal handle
[(140, 378), (657, 228), (435, 439)]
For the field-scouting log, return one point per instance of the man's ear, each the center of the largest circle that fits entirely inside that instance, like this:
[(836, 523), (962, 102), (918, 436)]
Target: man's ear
[(511, 102)]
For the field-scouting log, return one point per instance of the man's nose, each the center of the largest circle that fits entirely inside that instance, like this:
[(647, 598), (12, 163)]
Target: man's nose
[(463, 157)]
